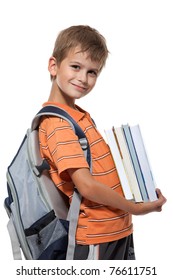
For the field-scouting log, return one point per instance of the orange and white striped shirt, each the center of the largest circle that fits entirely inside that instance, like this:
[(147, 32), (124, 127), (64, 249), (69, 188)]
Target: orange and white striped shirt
[(59, 145)]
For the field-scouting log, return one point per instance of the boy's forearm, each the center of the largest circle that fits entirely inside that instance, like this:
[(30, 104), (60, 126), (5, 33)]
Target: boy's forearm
[(99, 193), (104, 195)]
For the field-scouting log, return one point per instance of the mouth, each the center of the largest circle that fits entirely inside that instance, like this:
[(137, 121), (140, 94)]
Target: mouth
[(79, 87)]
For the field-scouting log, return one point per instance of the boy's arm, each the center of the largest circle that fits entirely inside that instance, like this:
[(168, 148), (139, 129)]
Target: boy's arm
[(97, 192)]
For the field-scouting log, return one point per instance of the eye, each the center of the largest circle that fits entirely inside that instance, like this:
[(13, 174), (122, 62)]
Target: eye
[(75, 66), (92, 73)]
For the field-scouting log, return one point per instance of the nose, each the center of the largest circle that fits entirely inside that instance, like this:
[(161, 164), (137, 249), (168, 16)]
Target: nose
[(82, 77)]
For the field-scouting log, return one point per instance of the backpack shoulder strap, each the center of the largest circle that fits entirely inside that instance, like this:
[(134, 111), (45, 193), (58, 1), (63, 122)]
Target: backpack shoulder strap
[(52, 110)]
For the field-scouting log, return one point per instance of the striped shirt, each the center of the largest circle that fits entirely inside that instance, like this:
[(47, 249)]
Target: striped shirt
[(59, 145)]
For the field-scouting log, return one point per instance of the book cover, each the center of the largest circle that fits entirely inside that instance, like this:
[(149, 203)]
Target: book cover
[(143, 161), (118, 163), (135, 162), (128, 165)]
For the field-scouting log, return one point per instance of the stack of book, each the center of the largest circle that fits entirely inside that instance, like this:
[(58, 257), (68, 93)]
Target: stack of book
[(131, 160)]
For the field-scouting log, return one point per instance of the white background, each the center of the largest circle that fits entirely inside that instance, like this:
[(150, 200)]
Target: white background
[(135, 87)]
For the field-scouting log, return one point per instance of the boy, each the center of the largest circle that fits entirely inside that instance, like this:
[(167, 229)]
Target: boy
[(105, 221)]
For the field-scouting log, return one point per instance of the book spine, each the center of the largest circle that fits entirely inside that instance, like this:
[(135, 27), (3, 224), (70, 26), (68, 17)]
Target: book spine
[(135, 162), (128, 165), (143, 161)]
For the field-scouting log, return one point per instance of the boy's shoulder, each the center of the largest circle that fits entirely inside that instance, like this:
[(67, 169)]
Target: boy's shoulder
[(61, 122)]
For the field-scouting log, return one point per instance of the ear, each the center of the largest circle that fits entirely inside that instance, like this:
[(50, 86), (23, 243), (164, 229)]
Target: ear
[(52, 66)]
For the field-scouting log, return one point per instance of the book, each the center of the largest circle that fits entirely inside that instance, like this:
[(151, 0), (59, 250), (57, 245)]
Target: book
[(132, 163), (143, 161), (135, 161), (118, 163), (118, 131)]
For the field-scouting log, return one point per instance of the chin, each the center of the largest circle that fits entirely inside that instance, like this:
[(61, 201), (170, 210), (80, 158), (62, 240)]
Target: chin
[(78, 96)]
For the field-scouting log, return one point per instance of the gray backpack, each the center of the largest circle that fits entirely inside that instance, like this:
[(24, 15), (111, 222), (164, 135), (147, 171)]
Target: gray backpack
[(41, 223)]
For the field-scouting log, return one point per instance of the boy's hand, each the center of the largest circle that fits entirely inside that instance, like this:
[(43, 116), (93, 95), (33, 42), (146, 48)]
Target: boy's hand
[(154, 206), (161, 200)]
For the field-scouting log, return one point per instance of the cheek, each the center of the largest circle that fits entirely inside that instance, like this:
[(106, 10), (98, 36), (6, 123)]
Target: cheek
[(92, 83), (60, 80)]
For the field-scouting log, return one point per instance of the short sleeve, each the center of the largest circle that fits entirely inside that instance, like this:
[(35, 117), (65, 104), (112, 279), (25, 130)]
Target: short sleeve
[(62, 145)]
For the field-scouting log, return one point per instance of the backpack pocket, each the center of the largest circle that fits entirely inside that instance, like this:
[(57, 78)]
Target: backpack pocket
[(48, 238)]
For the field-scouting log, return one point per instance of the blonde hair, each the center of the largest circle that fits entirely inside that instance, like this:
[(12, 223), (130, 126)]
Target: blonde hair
[(89, 39)]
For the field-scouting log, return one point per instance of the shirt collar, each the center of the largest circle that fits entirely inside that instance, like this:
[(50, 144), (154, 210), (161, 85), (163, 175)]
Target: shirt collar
[(77, 114)]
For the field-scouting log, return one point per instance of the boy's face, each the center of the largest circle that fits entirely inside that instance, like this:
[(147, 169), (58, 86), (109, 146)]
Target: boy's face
[(77, 74)]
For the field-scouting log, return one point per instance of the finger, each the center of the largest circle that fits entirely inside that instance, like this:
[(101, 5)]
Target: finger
[(158, 192)]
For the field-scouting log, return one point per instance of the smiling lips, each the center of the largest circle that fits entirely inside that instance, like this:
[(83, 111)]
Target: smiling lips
[(79, 87)]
